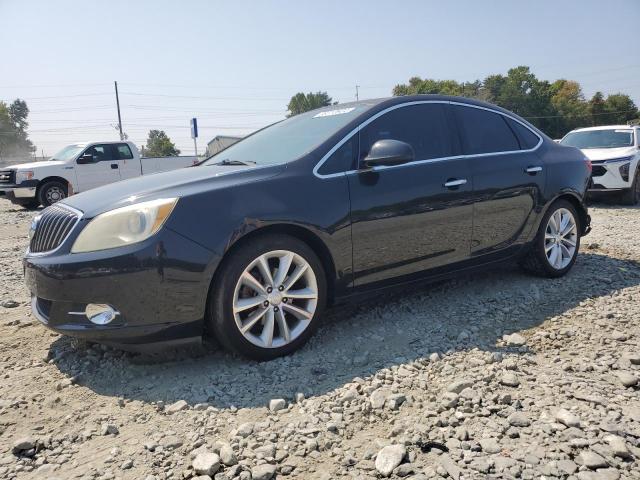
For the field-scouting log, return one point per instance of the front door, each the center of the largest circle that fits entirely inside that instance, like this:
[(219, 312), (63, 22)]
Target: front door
[(508, 177), (103, 169), (415, 216)]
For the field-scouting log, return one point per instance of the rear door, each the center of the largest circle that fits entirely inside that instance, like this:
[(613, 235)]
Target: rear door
[(416, 216), (129, 167), (101, 171), (508, 177)]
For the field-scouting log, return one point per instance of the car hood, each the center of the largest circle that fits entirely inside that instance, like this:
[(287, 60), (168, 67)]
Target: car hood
[(175, 183), (595, 154), (26, 166)]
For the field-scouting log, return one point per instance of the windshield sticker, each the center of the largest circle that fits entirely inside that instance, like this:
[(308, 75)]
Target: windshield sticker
[(330, 113)]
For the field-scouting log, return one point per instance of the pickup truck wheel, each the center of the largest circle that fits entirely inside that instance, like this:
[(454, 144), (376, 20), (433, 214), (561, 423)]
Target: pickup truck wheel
[(555, 248), (267, 298), (51, 192), (631, 196)]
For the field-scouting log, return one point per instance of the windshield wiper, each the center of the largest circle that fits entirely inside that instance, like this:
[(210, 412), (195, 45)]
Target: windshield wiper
[(226, 161)]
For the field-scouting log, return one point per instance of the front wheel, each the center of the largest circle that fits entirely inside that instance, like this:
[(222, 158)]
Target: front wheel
[(51, 192), (268, 297), (555, 248), (631, 196)]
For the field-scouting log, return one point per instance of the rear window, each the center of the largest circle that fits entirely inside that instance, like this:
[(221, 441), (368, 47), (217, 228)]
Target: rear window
[(123, 151), (484, 131), (526, 137)]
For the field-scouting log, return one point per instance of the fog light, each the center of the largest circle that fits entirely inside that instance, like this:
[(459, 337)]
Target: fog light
[(624, 171), (100, 314)]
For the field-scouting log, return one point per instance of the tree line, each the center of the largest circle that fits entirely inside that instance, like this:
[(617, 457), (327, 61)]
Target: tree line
[(554, 107), (14, 139)]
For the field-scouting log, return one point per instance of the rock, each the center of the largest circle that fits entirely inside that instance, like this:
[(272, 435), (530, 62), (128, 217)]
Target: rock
[(109, 429), (245, 429), (389, 458), (567, 466), (277, 404), (171, 442), (618, 446), (592, 460), (395, 400), (23, 444), (9, 303), (567, 418), (405, 469), (434, 357), (378, 398), (227, 455), (449, 400), (176, 407), (459, 385), (510, 379), (349, 396), (519, 419), (514, 340), (206, 463), (450, 467), (490, 445), (627, 379), (265, 471), (126, 465)]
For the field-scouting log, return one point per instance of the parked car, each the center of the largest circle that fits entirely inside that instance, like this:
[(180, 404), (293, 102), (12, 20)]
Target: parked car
[(78, 168), (317, 209), (614, 152)]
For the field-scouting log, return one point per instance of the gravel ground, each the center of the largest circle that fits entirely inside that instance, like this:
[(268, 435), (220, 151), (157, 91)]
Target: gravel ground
[(498, 375)]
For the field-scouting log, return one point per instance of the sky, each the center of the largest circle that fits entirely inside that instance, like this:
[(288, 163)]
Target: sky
[(235, 64)]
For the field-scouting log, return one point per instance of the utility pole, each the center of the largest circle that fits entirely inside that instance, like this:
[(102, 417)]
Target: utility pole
[(119, 118), (357, 96)]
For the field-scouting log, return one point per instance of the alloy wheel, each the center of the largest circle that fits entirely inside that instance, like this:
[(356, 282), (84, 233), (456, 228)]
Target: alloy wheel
[(275, 299), (560, 238)]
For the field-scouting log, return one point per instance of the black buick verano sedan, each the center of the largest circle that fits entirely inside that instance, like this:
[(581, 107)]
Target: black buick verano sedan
[(251, 245)]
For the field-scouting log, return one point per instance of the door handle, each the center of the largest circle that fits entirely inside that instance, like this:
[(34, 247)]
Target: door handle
[(114, 166), (455, 182), (533, 170)]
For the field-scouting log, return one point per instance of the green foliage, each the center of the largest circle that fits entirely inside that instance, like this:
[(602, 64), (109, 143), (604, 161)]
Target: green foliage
[(301, 103), (555, 108), (14, 140), (159, 145)]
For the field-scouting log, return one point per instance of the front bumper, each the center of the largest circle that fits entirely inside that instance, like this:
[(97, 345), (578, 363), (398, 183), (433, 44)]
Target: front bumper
[(18, 194), (607, 176), (159, 287)]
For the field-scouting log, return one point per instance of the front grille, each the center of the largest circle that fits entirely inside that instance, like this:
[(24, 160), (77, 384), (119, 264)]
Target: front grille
[(52, 228), (7, 176), (598, 171)]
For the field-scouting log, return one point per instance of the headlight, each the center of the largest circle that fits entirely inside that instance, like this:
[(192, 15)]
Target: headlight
[(621, 159), (23, 175), (124, 226)]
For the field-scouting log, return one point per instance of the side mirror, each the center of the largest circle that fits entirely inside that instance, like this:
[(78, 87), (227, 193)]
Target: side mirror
[(389, 152), (85, 158)]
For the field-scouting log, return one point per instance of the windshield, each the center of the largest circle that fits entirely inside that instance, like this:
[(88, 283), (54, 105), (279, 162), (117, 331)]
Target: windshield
[(67, 153), (599, 139), (289, 139)]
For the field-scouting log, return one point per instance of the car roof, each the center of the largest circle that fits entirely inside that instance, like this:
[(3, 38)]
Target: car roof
[(605, 127)]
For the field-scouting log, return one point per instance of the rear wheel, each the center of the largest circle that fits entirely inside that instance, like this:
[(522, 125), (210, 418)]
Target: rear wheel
[(556, 245), (51, 192), (268, 297), (631, 196)]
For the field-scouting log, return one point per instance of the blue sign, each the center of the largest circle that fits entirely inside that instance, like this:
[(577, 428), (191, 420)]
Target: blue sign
[(194, 128)]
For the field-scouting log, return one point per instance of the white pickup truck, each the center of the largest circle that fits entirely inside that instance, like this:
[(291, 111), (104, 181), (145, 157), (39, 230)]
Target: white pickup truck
[(77, 168)]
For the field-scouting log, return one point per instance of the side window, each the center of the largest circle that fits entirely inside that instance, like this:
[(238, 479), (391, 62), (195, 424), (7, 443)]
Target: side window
[(527, 138), (342, 159), (123, 152), (484, 132), (423, 126), (100, 153)]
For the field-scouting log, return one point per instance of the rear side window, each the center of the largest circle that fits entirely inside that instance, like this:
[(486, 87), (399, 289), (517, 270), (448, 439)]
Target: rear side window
[(123, 151), (526, 137), (483, 131), (423, 126), (342, 159)]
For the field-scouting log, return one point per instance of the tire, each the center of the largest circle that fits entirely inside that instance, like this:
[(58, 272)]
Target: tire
[(272, 306), (51, 192), (537, 260), (631, 196)]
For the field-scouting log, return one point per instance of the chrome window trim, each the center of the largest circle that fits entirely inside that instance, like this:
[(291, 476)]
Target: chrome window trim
[(419, 162), (79, 214)]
